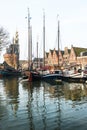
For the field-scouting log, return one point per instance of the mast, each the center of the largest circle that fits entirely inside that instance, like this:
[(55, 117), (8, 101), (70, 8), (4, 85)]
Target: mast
[(44, 39), (37, 54), (30, 44), (58, 42), (28, 38)]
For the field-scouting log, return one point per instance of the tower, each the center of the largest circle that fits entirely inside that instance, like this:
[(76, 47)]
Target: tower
[(16, 49), (12, 53)]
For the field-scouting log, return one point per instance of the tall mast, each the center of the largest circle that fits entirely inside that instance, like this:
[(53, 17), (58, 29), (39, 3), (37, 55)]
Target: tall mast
[(28, 38), (58, 42), (31, 44), (44, 38), (37, 54)]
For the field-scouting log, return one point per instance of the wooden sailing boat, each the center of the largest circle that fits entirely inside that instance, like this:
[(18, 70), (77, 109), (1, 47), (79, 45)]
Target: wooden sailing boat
[(30, 75), (34, 75), (56, 76)]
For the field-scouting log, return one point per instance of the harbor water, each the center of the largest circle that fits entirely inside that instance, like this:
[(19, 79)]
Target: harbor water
[(42, 106)]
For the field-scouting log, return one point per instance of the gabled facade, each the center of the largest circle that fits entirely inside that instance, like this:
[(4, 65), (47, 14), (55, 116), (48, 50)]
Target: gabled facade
[(75, 55), (46, 58), (52, 58), (72, 56), (55, 57), (66, 56), (82, 60)]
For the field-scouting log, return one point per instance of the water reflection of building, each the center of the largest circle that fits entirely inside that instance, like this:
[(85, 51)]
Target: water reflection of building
[(11, 57), (12, 92), (69, 91), (75, 91), (55, 90)]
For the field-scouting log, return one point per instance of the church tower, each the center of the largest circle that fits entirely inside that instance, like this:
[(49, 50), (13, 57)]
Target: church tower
[(11, 57), (16, 48)]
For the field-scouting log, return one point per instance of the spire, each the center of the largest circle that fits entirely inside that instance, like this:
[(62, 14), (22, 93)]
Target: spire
[(16, 40), (13, 40)]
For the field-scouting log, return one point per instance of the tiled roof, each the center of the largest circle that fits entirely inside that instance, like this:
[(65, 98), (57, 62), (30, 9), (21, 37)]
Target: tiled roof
[(78, 50), (62, 52), (47, 53), (51, 51), (69, 51)]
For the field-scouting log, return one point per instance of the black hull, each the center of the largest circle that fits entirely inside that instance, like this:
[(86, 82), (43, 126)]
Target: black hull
[(52, 78), (56, 78), (75, 79), (36, 77), (6, 73)]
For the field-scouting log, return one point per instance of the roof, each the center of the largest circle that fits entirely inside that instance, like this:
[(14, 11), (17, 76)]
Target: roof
[(47, 53), (62, 52), (51, 52), (78, 50), (69, 51)]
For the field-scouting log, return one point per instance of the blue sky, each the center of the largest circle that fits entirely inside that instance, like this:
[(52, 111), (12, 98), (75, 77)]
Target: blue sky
[(72, 17)]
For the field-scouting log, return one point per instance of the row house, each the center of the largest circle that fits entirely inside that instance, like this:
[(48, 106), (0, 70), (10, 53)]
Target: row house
[(78, 55), (75, 55), (51, 58), (66, 55)]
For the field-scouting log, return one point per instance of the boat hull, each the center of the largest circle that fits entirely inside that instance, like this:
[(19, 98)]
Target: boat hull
[(6, 73), (52, 78), (75, 79), (36, 77), (31, 76)]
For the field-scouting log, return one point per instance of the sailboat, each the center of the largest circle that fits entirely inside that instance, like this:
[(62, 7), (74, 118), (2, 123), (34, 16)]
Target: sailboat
[(56, 76), (30, 74), (35, 75)]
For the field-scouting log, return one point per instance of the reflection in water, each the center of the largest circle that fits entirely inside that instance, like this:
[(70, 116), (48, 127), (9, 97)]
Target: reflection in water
[(42, 106), (12, 92), (75, 91)]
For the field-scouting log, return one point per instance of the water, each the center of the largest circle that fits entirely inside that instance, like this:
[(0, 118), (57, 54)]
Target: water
[(42, 106)]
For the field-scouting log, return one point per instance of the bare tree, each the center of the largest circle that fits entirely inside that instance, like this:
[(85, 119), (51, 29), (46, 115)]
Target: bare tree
[(4, 39)]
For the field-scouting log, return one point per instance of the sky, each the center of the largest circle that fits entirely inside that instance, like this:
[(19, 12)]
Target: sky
[(72, 15)]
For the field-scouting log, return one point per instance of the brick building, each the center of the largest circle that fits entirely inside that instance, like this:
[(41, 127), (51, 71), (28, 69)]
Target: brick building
[(75, 55), (11, 57)]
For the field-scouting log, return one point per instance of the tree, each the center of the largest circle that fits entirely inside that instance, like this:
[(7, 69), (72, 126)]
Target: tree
[(4, 39)]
